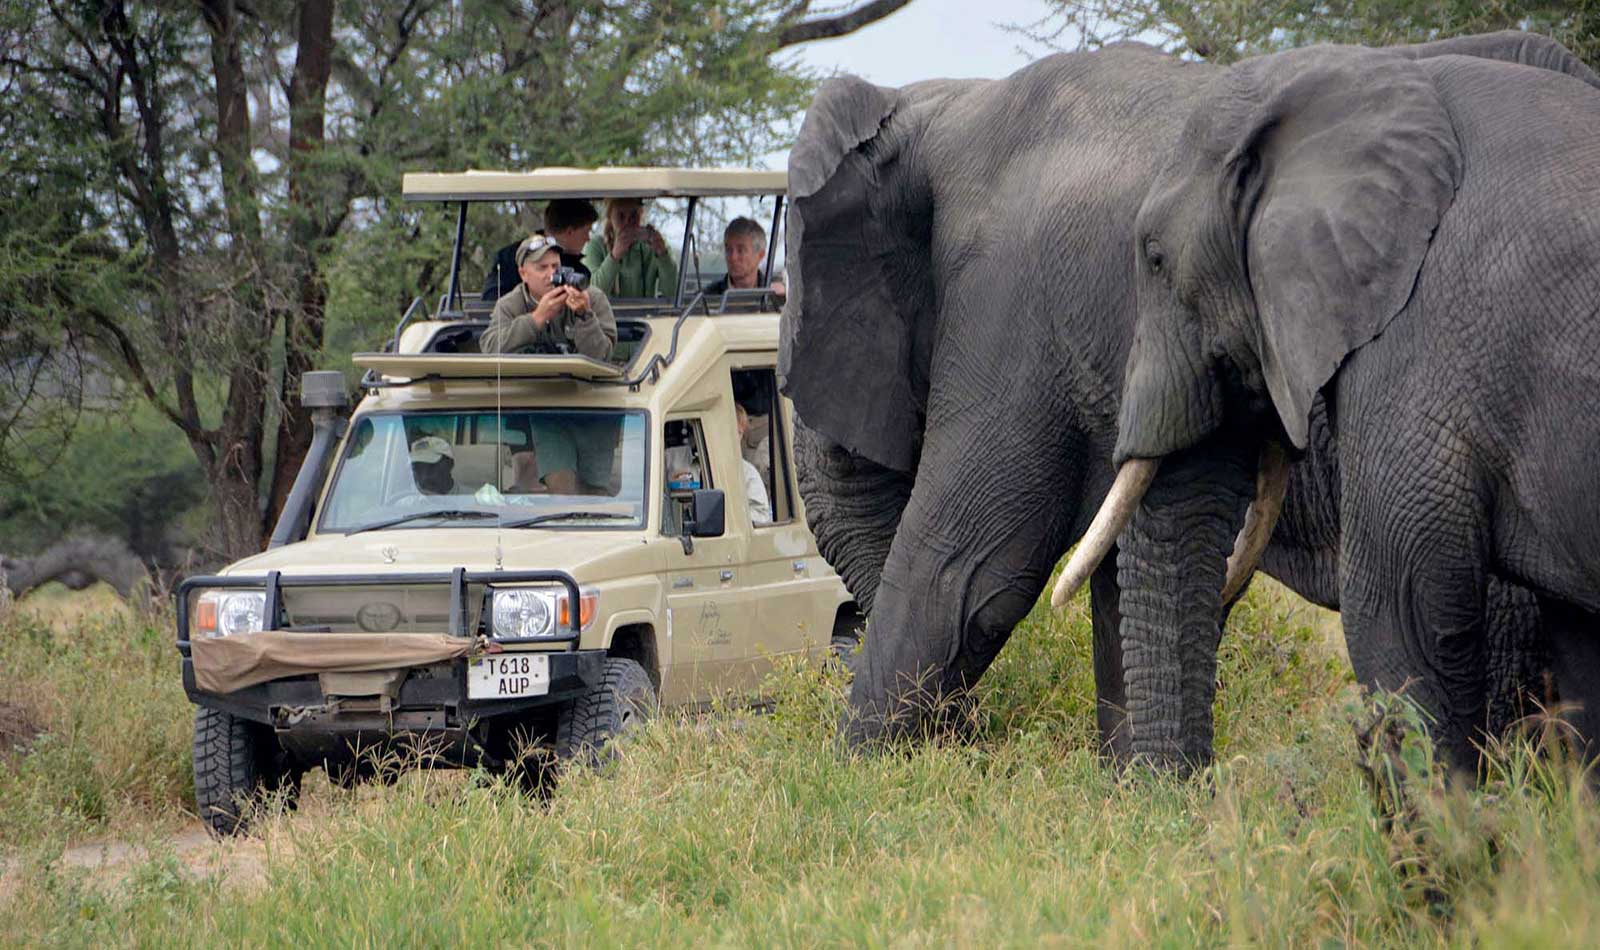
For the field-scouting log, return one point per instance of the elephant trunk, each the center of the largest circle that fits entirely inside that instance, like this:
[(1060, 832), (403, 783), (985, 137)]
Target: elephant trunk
[(1133, 479), (853, 507), (1272, 482), (1170, 566)]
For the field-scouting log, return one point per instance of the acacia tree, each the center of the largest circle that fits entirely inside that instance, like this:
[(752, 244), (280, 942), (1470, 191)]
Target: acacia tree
[(1225, 30), (195, 183)]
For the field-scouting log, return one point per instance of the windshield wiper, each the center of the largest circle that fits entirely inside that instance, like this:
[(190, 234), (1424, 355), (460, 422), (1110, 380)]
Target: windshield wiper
[(564, 516), (448, 514)]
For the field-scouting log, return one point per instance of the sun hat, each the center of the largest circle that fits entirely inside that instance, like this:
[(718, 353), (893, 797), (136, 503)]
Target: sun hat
[(431, 448)]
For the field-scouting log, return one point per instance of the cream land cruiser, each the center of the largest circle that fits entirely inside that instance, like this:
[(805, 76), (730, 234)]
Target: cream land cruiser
[(476, 618)]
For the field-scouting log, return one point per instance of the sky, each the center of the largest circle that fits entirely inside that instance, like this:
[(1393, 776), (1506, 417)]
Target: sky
[(934, 39), (929, 39)]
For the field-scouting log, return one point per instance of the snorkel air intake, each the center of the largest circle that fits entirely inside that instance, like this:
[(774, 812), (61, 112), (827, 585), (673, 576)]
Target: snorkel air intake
[(323, 393)]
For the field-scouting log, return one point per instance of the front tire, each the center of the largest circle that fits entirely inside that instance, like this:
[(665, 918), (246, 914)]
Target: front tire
[(237, 764), (620, 703)]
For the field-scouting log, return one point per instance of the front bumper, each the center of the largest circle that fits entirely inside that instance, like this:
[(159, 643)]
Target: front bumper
[(431, 697), (428, 697)]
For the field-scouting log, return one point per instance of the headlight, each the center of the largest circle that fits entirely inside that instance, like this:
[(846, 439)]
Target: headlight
[(536, 612), (524, 613), (223, 613)]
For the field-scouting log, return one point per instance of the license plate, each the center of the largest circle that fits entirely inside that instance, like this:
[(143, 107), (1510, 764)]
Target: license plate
[(508, 676)]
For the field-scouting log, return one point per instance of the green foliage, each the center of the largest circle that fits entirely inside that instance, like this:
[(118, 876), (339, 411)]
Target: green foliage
[(125, 473), (740, 829), (206, 263), (1226, 30)]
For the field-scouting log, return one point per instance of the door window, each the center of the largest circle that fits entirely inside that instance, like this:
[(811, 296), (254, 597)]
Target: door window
[(763, 446)]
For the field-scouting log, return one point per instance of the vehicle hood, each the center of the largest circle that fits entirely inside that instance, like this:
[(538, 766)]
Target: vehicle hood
[(397, 550)]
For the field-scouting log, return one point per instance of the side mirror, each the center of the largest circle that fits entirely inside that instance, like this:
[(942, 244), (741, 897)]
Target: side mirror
[(708, 518), (705, 518)]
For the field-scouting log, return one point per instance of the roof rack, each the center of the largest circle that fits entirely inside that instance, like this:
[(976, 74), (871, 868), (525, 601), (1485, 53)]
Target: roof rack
[(543, 183)]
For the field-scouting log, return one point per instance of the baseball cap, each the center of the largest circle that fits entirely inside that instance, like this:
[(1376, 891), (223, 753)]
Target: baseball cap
[(431, 448), (536, 245)]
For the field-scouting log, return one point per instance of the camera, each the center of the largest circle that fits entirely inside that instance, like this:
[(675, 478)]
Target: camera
[(570, 277)]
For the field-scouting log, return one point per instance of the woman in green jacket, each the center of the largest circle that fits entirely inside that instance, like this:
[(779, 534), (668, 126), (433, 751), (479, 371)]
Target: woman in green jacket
[(630, 258)]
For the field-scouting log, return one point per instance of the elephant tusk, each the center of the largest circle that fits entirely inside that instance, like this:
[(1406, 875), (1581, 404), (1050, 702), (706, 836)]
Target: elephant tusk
[(1272, 481), (1133, 480)]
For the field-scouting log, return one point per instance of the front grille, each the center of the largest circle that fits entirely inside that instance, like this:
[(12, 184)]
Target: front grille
[(375, 609)]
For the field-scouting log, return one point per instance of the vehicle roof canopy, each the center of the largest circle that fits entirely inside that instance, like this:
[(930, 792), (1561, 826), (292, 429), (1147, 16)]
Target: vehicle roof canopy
[(543, 183)]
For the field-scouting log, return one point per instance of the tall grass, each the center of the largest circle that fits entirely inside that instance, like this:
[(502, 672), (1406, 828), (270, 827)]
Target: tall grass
[(740, 830), (103, 694)]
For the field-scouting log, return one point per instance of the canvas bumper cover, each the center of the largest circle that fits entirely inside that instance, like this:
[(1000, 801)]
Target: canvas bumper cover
[(227, 664)]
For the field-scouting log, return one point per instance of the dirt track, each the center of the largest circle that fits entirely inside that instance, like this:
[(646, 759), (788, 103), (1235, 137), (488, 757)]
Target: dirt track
[(239, 863)]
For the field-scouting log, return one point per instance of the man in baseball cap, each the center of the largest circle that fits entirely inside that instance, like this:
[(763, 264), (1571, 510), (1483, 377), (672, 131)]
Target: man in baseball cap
[(433, 465), (542, 315)]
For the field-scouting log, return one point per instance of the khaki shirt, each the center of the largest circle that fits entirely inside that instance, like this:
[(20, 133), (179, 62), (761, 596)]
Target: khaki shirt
[(511, 329)]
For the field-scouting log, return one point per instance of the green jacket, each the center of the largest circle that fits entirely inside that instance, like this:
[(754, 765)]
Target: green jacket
[(512, 331), (640, 273)]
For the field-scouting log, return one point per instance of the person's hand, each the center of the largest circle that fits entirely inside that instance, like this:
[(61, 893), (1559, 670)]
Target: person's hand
[(624, 240), (577, 300), (657, 243), (549, 305), (778, 289)]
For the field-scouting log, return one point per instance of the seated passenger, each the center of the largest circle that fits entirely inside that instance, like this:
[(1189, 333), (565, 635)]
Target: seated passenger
[(576, 453), (433, 465), (755, 490), (569, 221), (540, 316), (630, 258), (744, 244)]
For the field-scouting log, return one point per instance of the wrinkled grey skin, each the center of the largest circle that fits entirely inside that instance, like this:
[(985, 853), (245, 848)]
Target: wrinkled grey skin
[(960, 312), (1416, 244)]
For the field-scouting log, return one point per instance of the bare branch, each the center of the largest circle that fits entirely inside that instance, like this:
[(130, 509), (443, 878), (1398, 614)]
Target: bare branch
[(826, 28)]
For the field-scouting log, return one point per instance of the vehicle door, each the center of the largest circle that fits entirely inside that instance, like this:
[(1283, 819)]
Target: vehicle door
[(794, 589), (709, 610)]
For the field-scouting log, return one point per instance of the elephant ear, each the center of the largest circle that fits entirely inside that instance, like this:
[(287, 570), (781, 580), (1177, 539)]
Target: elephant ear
[(858, 275), (1340, 162)]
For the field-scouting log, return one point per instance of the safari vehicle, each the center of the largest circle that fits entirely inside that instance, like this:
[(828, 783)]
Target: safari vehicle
[(491, 622)]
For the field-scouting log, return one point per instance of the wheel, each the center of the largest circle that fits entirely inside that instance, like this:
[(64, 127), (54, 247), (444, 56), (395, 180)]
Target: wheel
[(237, 763), (618, 704)]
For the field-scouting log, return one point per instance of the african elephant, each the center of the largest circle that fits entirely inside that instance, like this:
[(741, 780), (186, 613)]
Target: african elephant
[(960, 312), (1415, 244)]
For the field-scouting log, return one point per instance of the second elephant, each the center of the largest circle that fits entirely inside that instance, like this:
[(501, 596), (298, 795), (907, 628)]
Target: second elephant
[(961, 309)]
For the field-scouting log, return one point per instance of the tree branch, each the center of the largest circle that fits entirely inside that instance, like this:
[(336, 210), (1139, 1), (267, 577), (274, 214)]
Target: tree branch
[(130, 358), (827, 28)]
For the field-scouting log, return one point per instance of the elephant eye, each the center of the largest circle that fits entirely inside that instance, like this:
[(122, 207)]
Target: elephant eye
[(1153, 257)]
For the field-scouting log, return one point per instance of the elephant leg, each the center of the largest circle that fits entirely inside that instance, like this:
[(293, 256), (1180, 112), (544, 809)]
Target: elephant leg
[(1521, 677), (1171, 568), (1574, 635), (1413, 597), (990, 513), (1111, 697)]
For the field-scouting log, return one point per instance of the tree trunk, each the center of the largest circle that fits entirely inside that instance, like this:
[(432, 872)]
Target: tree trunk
[(77, 561), (236, 475), (309, 225)]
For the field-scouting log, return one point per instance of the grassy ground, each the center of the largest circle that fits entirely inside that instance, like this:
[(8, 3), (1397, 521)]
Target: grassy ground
[(745, 831)]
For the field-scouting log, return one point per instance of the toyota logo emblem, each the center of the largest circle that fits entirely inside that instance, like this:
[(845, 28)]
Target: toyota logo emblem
[(378, 617)]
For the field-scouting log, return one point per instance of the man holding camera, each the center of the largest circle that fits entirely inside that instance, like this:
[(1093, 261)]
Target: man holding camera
[(552, 310)]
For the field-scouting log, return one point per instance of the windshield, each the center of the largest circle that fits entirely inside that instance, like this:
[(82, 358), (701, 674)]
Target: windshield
[(517, 468)]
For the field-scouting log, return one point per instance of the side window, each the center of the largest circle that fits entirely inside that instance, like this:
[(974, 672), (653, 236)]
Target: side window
[(763, 445), (687, 467)]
